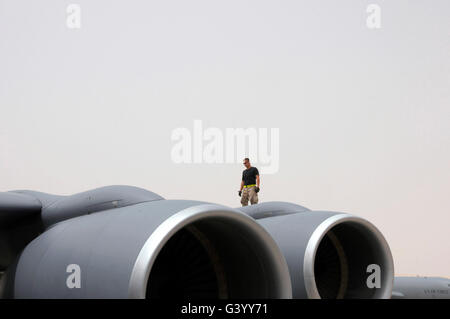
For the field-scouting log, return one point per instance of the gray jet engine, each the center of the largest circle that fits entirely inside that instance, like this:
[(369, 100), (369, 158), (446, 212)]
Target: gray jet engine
[(330, 255), (127, 242)]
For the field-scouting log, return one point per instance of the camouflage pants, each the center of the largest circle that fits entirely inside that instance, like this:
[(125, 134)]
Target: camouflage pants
[(249, 193)]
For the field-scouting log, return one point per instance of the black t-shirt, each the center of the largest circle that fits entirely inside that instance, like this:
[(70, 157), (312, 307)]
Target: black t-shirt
[(249, 175)]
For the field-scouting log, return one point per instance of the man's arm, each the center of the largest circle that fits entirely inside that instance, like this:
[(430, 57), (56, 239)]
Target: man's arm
[(240, 190), (257, 180)]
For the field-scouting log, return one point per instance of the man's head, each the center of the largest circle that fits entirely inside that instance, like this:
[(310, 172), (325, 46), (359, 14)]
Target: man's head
[(247, 163)]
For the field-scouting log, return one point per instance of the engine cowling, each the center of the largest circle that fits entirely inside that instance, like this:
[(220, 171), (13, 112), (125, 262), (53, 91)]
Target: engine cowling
[(157, 249), (126, 242), (329, 254)]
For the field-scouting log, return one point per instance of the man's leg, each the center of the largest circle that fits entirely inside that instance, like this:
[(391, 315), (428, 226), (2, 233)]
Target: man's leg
[(253, 195), (244, 197)]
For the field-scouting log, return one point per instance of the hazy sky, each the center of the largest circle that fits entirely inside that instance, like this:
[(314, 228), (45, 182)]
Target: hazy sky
[(363, 114)]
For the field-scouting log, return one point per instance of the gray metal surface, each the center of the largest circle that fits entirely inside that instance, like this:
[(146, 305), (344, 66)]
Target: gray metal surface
[(292, 233), (270, 209), (95, 200), (421, 288), (20, 222), (115, 233), (14, 206), (299, 232), (55, 208), (44, 198), (106, 246), (24, 214)]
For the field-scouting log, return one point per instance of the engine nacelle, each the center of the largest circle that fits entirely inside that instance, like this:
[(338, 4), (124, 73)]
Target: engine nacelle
[(127, 242), (155, 249), (329, 254)]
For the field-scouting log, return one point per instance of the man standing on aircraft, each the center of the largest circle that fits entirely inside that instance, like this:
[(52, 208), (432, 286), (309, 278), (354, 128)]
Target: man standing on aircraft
[(249, 184)]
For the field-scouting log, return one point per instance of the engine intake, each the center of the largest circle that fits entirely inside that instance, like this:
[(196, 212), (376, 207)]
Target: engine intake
[(330, 255), (337, 258), (158, 249)]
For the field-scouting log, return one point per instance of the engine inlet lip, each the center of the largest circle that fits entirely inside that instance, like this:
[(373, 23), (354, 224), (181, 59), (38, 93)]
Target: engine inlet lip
[(316, 238), (153, 245)]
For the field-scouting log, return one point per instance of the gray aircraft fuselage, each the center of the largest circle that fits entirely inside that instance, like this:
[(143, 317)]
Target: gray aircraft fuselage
[(421, 288)]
